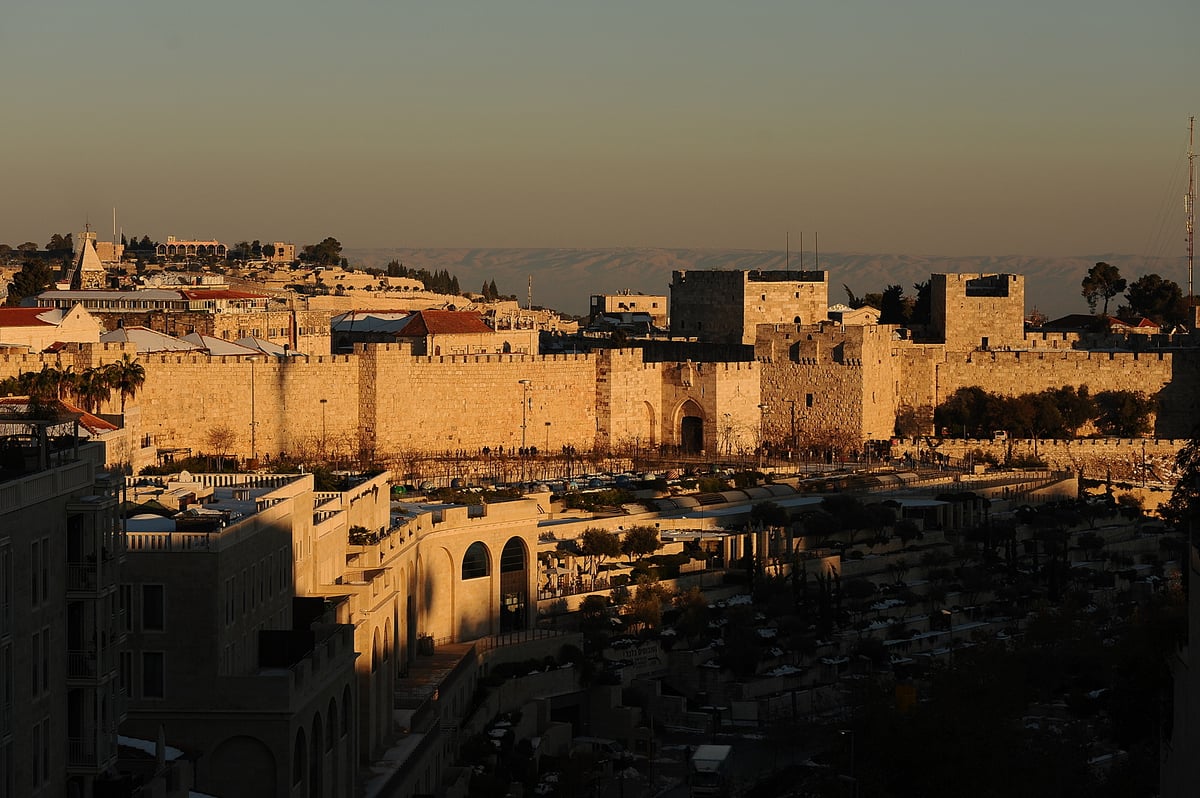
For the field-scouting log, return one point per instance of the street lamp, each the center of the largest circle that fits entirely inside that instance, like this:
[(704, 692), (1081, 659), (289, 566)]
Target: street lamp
[(323, 403), (524, 407), (853, 780), (762, 432)]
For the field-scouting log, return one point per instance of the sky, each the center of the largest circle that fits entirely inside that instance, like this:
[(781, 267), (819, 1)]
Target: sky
[(941, 127)]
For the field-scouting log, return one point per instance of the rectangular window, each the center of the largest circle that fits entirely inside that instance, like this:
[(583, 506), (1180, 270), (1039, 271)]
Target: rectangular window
[(808, 400), (46, 660), (45, 569), (126, 602), (153, 674), (6, 588), (35, 665), (37, 747), (154, 611), (35, 557), (126, 671)]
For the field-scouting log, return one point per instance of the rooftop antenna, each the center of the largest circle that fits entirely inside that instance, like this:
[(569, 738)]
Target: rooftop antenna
[(816, 253), (787, 252), (801, 250), (529, 295), (1189, 208)]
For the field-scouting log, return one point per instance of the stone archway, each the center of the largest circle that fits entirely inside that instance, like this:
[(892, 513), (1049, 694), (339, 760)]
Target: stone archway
[(514, 586), (243, 764), (691, 427)]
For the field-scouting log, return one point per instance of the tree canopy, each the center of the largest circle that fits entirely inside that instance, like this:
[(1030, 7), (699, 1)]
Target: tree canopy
[(33, 278), (327, 253), (1102, 281), (1155, 298), (973, 412)]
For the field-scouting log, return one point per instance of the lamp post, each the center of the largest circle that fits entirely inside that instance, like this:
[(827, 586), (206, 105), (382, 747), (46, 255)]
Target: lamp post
[(762, 432), (323, 403), (853, 780), (524, 407), (792, 442)]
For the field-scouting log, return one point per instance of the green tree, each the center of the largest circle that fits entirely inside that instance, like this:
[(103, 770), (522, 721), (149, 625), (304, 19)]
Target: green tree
[(1182, 510), (598, 545), (127, 376), (1102, 281), (59, 245), (1157, 299), (922, 309), (327, 253), (646, 607), (33, 278), (91, 389), (1124, 414), (894, 309), (639, 542)]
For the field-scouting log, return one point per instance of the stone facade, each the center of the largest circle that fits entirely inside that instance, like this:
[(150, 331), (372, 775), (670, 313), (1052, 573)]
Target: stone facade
[(726, 307), (979, 311), (796, 386)]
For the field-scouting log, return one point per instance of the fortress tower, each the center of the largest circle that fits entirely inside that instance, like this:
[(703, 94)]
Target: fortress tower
[(726, 307), (979, 311)]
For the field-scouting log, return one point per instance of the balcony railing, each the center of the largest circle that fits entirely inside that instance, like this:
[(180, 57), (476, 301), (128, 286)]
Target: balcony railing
[(89, 577), (90, 665), (91, 752)]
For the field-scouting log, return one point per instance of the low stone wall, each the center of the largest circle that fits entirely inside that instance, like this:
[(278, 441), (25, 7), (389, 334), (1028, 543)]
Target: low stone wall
[(1121, 459)]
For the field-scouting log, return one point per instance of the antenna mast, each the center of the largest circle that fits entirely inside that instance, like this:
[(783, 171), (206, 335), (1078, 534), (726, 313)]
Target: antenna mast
[(1189, 208), (529, 295), (787, 252)]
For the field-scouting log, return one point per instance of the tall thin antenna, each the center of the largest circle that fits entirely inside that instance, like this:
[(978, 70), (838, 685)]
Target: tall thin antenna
[(1189, 208), (816, 253), (787, 253), (801, 250), (529, 295)]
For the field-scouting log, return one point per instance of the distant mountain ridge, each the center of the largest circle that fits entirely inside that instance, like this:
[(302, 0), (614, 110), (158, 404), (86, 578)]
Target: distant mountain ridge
[(564, 279)]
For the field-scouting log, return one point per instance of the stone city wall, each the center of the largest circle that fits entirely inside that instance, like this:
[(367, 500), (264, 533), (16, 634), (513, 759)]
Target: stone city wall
[(1120, 459)]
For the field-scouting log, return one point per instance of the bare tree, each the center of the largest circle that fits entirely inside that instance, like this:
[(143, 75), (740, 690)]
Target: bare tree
[(220, 439)]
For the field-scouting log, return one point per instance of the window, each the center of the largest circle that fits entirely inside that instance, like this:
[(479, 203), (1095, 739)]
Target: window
[(153, 674), (475, 561), (35, 665), (808, 400), (126, 671), (126, 601), (154, 611), (6, 589), (35, 557)]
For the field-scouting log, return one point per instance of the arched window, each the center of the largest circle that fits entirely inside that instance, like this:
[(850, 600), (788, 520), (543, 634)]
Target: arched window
[(513, 556), (475, 562), (330, 721), (299, 759)]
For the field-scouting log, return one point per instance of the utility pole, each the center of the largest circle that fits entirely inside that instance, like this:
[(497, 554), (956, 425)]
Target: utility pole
[(1189, 208)]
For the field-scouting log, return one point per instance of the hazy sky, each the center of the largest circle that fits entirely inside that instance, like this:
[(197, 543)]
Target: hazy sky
[(1042, 127)]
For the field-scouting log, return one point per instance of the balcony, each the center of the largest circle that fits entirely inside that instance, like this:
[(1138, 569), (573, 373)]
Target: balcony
[(91, 578), (92, 754), (91, 667)]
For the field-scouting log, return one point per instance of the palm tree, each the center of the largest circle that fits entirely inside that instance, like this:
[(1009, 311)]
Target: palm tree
[(127, 376), (92, 389)]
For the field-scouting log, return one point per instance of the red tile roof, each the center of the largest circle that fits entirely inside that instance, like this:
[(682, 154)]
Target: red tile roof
[(443, 322), (23, 317), (92, 423)]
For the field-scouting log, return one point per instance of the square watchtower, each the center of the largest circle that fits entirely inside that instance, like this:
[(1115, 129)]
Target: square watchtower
[(979, 311)]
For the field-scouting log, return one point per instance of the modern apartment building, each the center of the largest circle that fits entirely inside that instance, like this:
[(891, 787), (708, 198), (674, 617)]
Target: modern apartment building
[(60, 619)]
